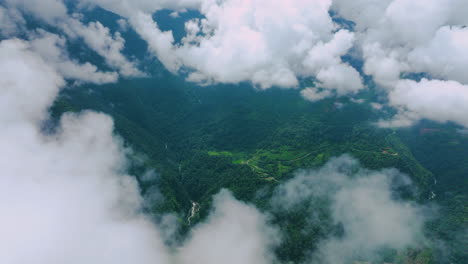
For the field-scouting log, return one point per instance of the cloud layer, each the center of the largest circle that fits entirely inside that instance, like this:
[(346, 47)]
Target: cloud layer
[(267, 44), (66, 197), (403, 36), (363, 203), (280, 43)]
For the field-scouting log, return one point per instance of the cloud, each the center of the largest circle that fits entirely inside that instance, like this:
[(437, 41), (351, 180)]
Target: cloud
[(402, 36), (54, 11), (313, 94), (266, 44), (437, 100), (341, 78), (52, 49), (11, 21), (279, 43), (234, 233), (363, 202), (159, 43), (445, 56), (100, 39), (238, 40), (21, 101), (129, 8), (65, 196)]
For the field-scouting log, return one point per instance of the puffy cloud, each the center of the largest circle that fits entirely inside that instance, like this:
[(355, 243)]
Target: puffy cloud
[(341, 78), (277, 43), (324, 60), (403, 36), (364, 13), (328, 54), (11, 21), (384, 67), (94, 34), (415, 28), (47, 10), (100, 39), (264, 43), (267, 44), (437, 100), (396, 22), (129, 8), (444, 56), (274, 44), (52, 49), (363, 202), (64, 196), (313, 94), (20, 100), (233, 233), (333, 76), (160, 43)]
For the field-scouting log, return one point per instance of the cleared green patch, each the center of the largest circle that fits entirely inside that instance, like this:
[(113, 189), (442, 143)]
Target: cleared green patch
[(220, 153), (271, 162)]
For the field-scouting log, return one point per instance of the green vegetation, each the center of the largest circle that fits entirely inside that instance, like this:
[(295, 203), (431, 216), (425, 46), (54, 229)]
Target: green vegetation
[(202, 139)]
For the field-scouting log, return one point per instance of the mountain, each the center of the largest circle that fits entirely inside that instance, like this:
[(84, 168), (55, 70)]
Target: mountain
[(200, 140), (298, 140)]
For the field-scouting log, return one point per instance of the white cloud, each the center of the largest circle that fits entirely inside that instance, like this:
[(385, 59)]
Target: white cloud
[(64, 197), (363, 202), (48, 10), (18, 73), (444, 56), (324, 61), (385, 68), (238, 40), (341, 78), (264, 43), (377, 106), (52, 49), (100, 39), (233, 233), (313, 94), (73, 201), (327, 54), (123, 24), (160, 43), (94, 34), (437, 100), (406, 36), (129, 8), (11, 21), (277, 43), (365, 13)]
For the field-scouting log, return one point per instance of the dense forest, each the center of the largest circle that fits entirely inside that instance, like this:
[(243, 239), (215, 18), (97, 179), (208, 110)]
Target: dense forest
[(185, 142), (199, 140), (196, 140)]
